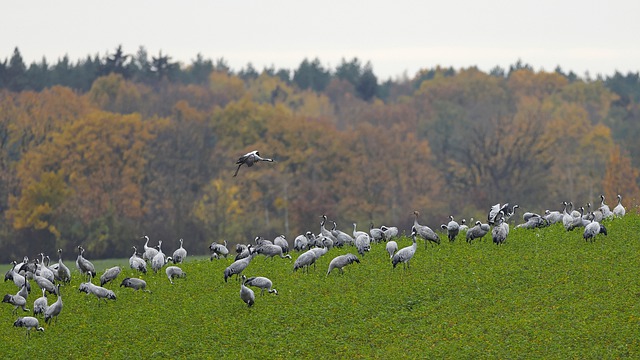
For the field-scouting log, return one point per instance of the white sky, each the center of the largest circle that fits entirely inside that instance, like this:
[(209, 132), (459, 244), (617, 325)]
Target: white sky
[(396, 36)]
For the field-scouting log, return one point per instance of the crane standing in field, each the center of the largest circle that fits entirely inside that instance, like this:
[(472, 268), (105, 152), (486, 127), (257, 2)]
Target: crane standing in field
[(405, 254)]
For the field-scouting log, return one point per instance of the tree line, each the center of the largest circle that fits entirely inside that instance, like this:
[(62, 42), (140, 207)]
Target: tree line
[(129, 155)]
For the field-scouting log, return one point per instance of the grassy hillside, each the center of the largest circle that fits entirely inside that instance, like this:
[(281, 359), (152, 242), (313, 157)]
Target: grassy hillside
[(544, 294)]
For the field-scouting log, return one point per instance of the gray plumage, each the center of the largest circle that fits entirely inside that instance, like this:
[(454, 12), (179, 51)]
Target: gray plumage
[(18, 279), (41, 304), (533, 221), (270, 250), (592, 229), (137, 263), (452, 228), (218, 250), (179, 254), (85, 266), (246, 294), (606, 211), (134, 283), (43, 270), (301, 242), (159, 260), (363, 243), (305, 260), (500, 231), (98, 291), (619, 210), (552, 217), (424, 231), (17, 301), (323, 230), (174, 272), (405, 254), (342, 238), (44, 283), (391, 248), (110, 274), (578, 221), (29, 323), (249, 159), (54, 309), (341, 261), (390, 232), (282, 242), (64, 274), (237, 267), (377, 235), (149, 252), (263, 283)]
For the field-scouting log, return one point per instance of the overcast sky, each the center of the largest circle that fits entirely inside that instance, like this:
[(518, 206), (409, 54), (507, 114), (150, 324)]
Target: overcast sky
[(397, 36)]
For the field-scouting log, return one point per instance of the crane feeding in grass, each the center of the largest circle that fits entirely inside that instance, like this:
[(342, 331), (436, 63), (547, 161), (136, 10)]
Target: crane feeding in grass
[(340, 261), (263, 283), (135, 284), (110, 274), (405, 254), (246, 294), (174, 272), (29, 323)]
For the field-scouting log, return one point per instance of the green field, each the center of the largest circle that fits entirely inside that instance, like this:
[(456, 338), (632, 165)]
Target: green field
[(544, 294)]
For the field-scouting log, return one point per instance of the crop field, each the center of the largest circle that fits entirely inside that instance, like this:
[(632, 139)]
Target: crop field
[(546, 293)]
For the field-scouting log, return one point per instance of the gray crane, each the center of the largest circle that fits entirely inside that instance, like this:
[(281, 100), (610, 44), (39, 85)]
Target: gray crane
[(180, 254), (500, 230), (305, 260), (391, 248), (237, 267), (270, 251), (302, 241), (28, 322), (43, 270), (363, 243), (246, 294), (606, 211), (43, 283), (424, 231), (323, 230), (41, 304), (592, 229), (405, 254), (54, 309), (342, 238), (552, 217), (174, 272), (249, 159), (98, 291), (340, 261), (110, 274), (64, 274), (452, 228), (619, 210), (17, 301), (137, 263), (85, 266), (281, 241), (390, 232), (263, 283), (135, 284), (149, 252), (377, 235), (218, 250), (159, 260)]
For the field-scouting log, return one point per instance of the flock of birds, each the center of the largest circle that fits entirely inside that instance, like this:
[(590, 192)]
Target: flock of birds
[(49, 276)]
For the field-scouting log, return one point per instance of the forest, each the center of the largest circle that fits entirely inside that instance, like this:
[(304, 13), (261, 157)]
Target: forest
[(104, 150)]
